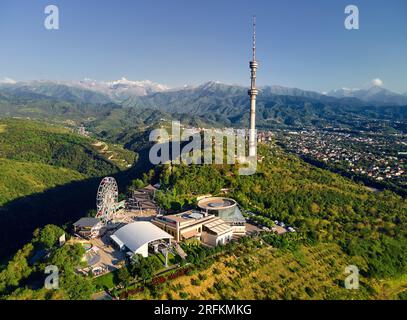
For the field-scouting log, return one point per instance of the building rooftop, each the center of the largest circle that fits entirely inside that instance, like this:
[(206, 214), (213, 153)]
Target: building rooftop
[(136, 234), (218, 226), (216, 203), (190, 215), (225, 208), (86, 222)]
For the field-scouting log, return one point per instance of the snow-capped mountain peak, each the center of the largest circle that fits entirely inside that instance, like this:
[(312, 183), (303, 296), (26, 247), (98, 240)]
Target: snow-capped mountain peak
[(7, 81), (123, 88), (375, 94)]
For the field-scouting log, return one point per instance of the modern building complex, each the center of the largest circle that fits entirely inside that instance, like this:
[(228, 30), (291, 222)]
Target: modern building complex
[(138, 237), (88, 227), (140, 228), (200, 225), (226, 209), (183, 226)]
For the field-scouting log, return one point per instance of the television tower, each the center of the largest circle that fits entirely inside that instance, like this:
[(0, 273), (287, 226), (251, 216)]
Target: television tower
[(253, 92)]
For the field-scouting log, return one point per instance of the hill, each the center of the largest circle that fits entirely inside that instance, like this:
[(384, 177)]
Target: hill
[(33, 105), (49, 174), (338, 223), (22, 178), (58, 146), (323, 205), (264, 272)]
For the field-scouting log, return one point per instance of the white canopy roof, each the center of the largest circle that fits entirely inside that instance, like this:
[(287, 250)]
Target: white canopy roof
[(135, 235)]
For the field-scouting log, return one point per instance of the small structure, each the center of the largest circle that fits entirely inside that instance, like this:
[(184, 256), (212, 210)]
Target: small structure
[(142, 199), (62, 240), (136, 237), (88, 227), (216, 232)]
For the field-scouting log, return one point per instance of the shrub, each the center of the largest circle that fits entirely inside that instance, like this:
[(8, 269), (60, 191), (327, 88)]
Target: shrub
[(202, 276), (216, 271)]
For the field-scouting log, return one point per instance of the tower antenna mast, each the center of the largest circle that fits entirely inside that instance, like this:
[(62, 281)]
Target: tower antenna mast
[(254, 38), (253, 92)]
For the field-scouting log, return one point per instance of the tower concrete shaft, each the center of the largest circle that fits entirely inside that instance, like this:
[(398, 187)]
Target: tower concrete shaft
[(253, 92)]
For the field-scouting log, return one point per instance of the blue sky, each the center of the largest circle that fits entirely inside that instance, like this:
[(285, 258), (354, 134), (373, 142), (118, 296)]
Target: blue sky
[(301, 43)]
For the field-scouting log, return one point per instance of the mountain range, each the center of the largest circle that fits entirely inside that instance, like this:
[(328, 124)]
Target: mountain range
[(87, 90), (376, 95), (124, 103), (124, 91)]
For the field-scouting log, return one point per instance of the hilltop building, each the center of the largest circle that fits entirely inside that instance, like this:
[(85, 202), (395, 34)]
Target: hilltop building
[(226, 209), (216, 232), (138, 237), (217, 221), (193, 224), (183, 226), (88, 227)]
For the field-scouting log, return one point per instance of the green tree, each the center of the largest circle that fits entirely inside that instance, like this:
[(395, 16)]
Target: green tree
[(68, 257), (17, 269), (76, 286), (124, 276), (138, 184), (48, 236)]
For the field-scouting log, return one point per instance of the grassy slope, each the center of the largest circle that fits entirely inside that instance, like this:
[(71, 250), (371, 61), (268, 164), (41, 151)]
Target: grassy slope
[(19, 178), (267, 273), (44, 143), (35, 156)]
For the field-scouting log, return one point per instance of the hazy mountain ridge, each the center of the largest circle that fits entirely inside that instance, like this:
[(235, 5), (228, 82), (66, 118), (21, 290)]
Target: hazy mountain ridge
[(376, 95), (212, 103), (86, 91), (127, 92), (229, 104)]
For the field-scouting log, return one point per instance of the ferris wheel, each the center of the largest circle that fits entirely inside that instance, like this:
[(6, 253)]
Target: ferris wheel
[(107, 199)]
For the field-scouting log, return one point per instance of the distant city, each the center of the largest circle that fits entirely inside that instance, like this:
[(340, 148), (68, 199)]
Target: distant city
[(379, 156)]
